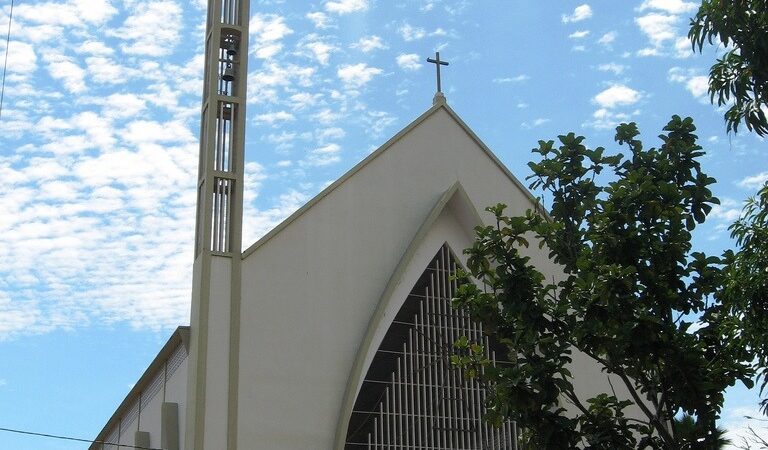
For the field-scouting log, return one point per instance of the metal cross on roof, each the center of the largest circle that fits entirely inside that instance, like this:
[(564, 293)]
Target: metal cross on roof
[(437, 64)]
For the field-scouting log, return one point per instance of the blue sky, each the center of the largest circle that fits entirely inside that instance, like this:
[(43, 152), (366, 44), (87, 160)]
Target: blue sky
[(98, 149)]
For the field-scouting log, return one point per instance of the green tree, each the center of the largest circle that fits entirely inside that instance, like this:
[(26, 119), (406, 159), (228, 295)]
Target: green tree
[(689, 432), (745, 297), (739, 80), (740, 77), (631, 290)]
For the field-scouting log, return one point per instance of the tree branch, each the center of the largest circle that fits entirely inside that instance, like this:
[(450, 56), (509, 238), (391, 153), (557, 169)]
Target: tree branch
[(669, 440)]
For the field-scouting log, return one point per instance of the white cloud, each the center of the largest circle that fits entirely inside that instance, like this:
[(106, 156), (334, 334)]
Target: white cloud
[(697, 85), (96, 48), (62, 68), (581, 12), (409, 62), (98, 204), (73, 13), (727, 211), (94, 11), (579, 34), (658, 27), (303, 100), (536, 123), (281, 138), (21, 57), (326, 116), (755, 181), (268, 27), (331, 133), (153, 29), (37, 34), (679, 75), (346, 6), (267, 30), (319, 19), (515, 79), (316, 48), (378, 121), (609, 101), (263, 83), (357, 75), (106, 71), (273, 117), (607, 38), (683, 47), (268, 50), (324, 155), (140, 132), (617, 95), (439, 32), (283, 141), (411, 33), (669, 6), (369, 43), (429, 5), (604, 119), (114, 106), (457, 7), (123, 105), (617, 69), (82, 176), (648, 51), (17, 317)]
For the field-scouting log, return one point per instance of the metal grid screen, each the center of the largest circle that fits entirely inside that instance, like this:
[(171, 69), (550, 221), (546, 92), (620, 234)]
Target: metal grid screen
[(411, 397)]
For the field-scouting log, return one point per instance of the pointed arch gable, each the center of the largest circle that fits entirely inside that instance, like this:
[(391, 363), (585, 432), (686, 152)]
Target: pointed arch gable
[(450, 223), (412, 396)]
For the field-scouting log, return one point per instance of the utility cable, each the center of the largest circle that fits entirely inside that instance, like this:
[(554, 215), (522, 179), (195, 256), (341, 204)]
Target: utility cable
[(5, 64), (67, 438)]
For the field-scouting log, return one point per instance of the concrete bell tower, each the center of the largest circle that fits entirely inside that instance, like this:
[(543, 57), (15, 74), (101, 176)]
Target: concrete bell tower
[(211, 412)]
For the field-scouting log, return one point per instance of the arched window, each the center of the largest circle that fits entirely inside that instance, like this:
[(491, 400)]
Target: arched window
[(411, 397)]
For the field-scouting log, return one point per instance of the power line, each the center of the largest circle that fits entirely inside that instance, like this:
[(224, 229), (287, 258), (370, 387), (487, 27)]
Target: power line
[(67, 438), (5, 64)]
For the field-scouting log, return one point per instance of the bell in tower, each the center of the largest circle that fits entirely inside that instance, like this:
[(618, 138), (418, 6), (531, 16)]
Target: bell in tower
[(231, 46), (229, 73)]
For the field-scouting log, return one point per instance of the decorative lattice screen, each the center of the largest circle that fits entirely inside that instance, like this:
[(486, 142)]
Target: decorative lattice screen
[(411, 397)]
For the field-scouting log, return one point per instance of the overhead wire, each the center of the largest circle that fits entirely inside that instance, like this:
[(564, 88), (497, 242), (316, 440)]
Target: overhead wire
[(68, 438), (5, 64)]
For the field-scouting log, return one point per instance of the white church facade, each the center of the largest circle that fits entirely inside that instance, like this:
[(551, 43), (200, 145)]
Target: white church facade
[(328, 290), (333, 331)]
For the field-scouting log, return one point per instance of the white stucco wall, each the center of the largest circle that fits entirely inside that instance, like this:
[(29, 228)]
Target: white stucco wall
[(310, 289), (217, 367), (176, 392)]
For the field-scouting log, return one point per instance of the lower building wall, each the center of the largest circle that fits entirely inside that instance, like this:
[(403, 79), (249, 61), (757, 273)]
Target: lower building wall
[(144, 412)]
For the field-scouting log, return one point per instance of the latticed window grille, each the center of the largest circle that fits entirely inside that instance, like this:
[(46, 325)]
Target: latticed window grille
[(411, 397)]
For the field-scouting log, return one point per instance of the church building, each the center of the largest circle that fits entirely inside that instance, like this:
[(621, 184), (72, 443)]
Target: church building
[(334, 330)]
